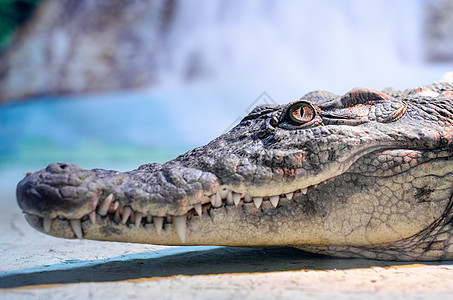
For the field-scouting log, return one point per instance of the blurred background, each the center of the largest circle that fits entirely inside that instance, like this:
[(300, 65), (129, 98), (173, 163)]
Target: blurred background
[(115, 84)]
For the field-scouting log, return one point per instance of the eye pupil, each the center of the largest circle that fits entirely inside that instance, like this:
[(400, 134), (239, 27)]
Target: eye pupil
[(298, 114)]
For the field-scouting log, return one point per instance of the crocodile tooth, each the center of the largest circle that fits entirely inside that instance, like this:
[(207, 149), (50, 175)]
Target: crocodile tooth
[(126, 214), (138, 219), (104, 207), (274, 200), (117, 217), (216, 200), (224, 193), (289, 195), (247, 199), (257, 201), (158, 223), (46, 224), (180, 226), (114, 206), (76, 226), (236, 198), (198, 209), (92, 216), (149, 218), (229, 198), (304, 190)]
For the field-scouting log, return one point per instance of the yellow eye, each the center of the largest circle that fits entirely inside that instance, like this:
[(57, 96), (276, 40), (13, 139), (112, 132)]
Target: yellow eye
[(301, 113)]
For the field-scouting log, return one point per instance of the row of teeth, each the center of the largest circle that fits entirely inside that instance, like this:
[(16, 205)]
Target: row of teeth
[(126, 215)]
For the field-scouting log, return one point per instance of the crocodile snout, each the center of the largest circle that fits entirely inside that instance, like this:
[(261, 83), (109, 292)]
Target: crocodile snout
[(63, 196), (59, 189)]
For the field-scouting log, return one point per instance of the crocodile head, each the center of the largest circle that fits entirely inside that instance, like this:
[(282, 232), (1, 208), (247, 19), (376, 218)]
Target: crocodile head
[(324, 173)]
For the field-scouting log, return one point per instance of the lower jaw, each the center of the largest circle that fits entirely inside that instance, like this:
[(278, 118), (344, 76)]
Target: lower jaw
[(224, 226), (106, 230)]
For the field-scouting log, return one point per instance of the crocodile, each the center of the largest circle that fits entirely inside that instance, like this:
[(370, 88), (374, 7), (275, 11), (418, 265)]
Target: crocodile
[(366, 174)]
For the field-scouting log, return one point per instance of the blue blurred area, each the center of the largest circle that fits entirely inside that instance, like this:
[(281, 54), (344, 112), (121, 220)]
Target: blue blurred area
[(75, 130), (84, 127)]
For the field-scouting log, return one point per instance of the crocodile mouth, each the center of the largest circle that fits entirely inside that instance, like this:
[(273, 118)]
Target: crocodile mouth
[(112, 212), (103, 214), (108, 211)]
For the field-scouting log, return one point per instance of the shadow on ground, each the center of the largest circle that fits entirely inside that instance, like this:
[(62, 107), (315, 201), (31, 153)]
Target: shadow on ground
[(185, 261)]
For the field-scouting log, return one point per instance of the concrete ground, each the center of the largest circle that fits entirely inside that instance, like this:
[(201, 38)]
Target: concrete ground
[(34, 265)]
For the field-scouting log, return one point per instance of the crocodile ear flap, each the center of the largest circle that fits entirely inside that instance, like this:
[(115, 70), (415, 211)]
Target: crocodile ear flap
[(361, 95)]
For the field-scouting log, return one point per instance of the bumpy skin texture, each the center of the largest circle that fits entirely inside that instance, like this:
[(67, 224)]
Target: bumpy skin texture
[(367, 174)]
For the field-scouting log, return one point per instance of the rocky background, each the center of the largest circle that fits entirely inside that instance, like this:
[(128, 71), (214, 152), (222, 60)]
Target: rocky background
[(79, 46), (438, 31), (73, 46)]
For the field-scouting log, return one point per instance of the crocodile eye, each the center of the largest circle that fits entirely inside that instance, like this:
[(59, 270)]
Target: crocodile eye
[(301, 112)]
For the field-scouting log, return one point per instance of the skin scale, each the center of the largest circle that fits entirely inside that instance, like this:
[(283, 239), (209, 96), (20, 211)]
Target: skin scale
[(367, 174)]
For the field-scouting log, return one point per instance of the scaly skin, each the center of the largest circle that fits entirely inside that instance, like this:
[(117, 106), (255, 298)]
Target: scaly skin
[(367, 174)]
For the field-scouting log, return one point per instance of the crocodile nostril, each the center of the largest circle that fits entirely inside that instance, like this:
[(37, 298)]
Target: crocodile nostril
[(61, 168)]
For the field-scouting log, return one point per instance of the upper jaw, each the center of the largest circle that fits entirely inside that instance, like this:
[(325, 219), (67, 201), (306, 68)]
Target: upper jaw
[(70, 192)]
